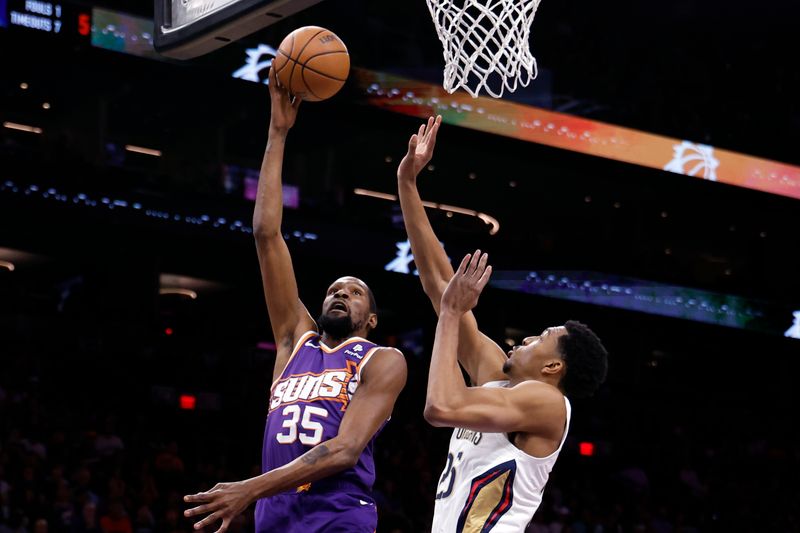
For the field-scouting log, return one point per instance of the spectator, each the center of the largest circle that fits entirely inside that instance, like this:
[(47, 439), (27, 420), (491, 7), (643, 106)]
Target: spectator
[(116, 520)]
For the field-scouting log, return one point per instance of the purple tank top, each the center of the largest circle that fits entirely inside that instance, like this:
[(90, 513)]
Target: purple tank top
[(307, 404)]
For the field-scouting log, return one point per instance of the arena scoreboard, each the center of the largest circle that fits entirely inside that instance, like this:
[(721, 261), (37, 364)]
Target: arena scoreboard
[(55, 18)]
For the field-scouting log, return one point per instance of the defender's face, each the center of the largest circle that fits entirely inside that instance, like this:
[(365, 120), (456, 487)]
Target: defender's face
[(347, 296), (535, 351)]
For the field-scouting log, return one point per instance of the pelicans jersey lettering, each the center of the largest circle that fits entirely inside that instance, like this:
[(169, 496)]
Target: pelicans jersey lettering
[(306, 406), (488, 484)]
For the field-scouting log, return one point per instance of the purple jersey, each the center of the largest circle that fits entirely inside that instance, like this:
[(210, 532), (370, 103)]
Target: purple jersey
[(306, 406)]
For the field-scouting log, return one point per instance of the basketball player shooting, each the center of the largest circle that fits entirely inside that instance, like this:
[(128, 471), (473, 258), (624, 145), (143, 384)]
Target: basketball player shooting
[(511, 423), (332, 393)]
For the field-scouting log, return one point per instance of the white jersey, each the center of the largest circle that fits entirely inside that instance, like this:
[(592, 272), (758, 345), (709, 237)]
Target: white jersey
[(488, 484)]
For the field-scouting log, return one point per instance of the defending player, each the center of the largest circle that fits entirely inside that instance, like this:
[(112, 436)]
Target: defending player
[(332, 392), (511, 423)]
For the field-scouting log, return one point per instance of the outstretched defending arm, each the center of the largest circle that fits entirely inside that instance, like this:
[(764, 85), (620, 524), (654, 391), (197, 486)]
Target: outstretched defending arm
[(288, 316), (481, 357)]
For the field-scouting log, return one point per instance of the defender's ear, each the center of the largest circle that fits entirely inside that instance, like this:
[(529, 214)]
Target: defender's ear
[(553, 367)]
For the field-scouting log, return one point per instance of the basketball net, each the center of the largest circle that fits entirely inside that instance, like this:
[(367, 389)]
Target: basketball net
[(486, 44)]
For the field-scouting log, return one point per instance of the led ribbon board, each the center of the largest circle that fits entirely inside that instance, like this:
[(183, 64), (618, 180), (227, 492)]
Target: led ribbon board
[(527, 123), (120, 32), (656, 298)]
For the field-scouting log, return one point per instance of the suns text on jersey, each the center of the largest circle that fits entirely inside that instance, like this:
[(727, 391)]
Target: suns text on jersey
[(329, 385)]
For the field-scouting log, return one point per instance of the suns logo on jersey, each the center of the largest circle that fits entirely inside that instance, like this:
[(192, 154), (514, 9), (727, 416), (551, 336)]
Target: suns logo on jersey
[(336, 385)]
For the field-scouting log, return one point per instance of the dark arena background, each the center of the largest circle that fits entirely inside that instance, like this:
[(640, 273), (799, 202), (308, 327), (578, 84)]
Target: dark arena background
[(135, 348)]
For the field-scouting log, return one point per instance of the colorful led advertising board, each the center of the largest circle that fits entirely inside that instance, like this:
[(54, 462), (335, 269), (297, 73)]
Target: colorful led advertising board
[(656, 298), (559, 130)]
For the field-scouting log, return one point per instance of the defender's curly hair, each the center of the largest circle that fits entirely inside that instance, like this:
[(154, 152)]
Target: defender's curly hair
[(586, 359)]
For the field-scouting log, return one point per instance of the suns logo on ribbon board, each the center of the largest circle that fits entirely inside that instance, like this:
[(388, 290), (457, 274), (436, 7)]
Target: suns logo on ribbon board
[(403, 259), (256, 66), (794, 331), (696, 160)]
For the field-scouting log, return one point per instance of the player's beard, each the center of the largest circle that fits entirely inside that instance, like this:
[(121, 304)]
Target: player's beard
[(338, 327), (507, 366)]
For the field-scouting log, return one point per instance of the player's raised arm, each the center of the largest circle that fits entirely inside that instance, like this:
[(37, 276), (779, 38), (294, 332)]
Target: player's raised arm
[(288, 316), (481, 357), (431, 260)]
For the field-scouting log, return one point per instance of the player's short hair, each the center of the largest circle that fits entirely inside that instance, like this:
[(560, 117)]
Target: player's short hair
[(586, 359)]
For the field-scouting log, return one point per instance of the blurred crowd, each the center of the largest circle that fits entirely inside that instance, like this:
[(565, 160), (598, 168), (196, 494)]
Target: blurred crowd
[(77, 458)]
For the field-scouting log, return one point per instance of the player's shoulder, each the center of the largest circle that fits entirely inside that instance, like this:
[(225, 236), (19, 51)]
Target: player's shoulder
[(548, 405), (539, 392), (385, 358), (388, 349), (389, 353), (386, 367)]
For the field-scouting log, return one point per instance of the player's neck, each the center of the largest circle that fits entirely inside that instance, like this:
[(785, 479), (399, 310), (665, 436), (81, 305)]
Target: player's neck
[(332, 342), (513, 381)]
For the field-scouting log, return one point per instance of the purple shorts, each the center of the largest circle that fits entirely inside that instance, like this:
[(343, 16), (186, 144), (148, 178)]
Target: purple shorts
[(308, 512)]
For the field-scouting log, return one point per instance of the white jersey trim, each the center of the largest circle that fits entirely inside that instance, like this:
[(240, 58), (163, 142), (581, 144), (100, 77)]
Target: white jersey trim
[(369, 356), (349, 340)]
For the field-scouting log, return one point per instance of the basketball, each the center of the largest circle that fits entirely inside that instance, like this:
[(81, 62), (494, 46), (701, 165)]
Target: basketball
[(312, 63)]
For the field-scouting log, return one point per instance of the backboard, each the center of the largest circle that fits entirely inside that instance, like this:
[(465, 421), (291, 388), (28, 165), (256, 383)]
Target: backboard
[(190, 28)]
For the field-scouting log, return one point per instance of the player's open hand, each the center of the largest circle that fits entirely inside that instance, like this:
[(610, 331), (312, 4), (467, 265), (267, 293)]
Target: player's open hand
[(466, 285), (420, 149), (284, 105), (222, 503)]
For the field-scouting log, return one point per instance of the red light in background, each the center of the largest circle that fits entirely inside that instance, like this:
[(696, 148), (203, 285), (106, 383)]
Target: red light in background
[(188, 401), (586, 448), (168, 331), (84, 24)]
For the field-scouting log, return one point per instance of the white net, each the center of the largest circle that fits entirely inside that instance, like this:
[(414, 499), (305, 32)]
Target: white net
[(486, 44)]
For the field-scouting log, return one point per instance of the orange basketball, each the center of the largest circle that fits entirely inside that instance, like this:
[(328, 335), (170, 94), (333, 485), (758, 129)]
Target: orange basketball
[(312, 63)]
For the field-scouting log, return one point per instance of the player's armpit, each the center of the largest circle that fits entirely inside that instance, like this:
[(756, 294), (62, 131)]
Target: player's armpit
[(382, 380), (530, 407)]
